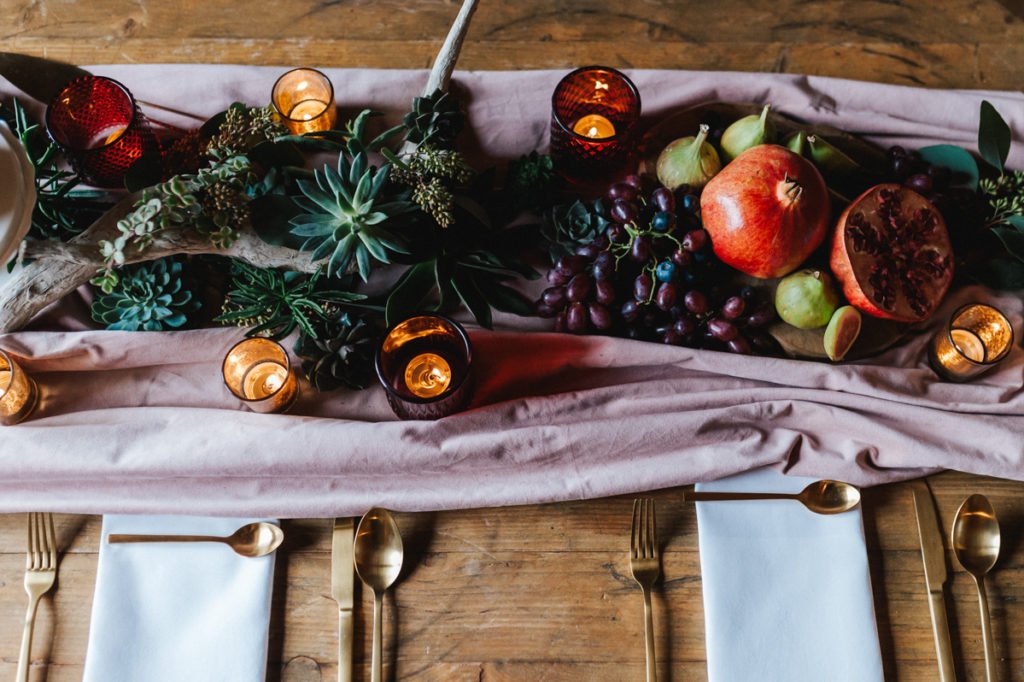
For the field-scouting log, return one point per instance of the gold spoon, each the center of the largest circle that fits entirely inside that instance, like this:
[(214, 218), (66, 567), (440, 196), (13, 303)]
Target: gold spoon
[(378, 557), (821, 497), (251, 540), (975, 541)]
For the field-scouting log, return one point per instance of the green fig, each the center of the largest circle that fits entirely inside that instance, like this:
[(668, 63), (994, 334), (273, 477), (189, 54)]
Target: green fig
[(797, 143), (843, 329), (747, 132), (830, 160), (806, 299), (688, 161)]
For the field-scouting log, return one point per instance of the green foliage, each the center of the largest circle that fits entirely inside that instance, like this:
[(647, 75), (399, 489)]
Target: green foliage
[(959, 161), (994, 137), (342, 354), (343, 216), (433, 174), (242, 129), (149, 297), (568, 226), (532, 182), (61, 212), (436, 119), (273, 303)]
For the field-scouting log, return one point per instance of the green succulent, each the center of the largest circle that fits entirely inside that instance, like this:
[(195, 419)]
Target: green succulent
[(436, 119), (568, 226), (344, 215), (532, 182), (149, 297), (342, 355), (273, 303)]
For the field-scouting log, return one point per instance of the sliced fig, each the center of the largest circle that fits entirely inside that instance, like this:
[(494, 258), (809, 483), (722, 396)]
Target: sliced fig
[(892, 255), (841, 332)]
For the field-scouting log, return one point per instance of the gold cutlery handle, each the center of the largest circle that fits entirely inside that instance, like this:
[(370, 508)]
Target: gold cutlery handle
[(26, 639), (703, 496), (986, 633), (652, 671), (940, 629), (345, 645), (376, 674), (116, 538)]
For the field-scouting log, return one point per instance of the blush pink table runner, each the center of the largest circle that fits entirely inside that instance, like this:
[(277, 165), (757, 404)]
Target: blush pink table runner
[(141, 423)]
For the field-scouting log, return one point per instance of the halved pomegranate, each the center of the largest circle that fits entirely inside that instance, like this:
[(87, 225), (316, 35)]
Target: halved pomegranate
[(892, 255)]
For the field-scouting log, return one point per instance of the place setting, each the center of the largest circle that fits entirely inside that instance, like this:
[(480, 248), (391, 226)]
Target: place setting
[(325, 294)]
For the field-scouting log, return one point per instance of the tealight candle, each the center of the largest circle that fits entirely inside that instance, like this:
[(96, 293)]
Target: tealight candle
[(18, 391), (593, 115), (977, 337), (97, 123), (258, 372), (424, 364), (304, 99)]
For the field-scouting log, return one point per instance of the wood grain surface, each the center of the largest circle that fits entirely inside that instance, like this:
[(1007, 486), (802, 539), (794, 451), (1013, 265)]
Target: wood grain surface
[(543, 592)]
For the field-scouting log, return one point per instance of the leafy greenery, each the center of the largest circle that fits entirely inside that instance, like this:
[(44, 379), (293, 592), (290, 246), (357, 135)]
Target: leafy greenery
[(342, 354), (994, 137), (568, 226), (148, 297), (1004, 199), (436, 119), (432, 173), (273, 303), (532, 183)]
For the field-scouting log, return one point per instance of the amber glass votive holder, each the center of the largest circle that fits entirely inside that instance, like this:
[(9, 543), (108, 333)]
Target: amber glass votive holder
[(304, 99), (98, 125), (18, 392), (425, 365), (977, 337), (594, 112), (258, 372)]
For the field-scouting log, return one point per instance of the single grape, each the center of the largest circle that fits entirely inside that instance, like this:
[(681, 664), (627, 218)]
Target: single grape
[(762, 315), (643, 285), (763, 342), (631, 311), (560, 323), (600, 316), (555, 297), (559, 277), (902, 166), (733, 307), (740, 345), (722, 330), (695, 240), (666, 296), (546, 311), (605, 291), (579, 288), (663, 221), (604, 266), (748, 293), (920, 183), (624, 211), (940, 176), (635, 180), (696, 302), (601, 242), (573, 264), (622, 190), (683, 259), (663, 199), (588, 251), (640, 251), (666, 271), (685, 326), (576, 318), (691, 204), (616, 234), (672, 338)]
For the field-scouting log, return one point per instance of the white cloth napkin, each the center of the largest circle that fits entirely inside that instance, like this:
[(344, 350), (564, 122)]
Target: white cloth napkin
[(175, 612), (787, 593)]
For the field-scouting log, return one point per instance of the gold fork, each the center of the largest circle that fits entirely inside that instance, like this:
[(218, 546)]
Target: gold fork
[(645, 563), (40, 573)]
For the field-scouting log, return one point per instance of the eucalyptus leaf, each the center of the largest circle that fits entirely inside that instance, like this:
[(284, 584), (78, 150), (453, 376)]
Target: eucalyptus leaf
[(994, 136), (505, 299), (958, 160), (409, 292), (1012, 239), (1017, 221), (468, 290)]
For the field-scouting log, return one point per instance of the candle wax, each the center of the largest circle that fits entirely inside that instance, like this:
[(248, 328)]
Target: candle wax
[(594, 126), (307, 110), (263, 379), (106, 136), (428, 375), (969, 344)]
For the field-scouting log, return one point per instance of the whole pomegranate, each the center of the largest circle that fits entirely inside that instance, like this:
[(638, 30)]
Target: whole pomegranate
[(892, 255), (766, 211)]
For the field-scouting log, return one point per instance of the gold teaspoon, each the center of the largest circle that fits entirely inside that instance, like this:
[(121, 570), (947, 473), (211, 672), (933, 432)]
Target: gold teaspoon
[(378, 555), (251, 540), (975, 541), (821, 497)]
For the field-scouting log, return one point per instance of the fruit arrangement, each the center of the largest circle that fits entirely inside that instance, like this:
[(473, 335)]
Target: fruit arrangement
[(741, 232)]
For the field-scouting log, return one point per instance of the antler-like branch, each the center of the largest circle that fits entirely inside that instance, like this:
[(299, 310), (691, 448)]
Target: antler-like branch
[(55, 269)]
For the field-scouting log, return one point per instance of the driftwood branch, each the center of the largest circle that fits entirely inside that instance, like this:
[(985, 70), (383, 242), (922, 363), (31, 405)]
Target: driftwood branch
[(54, 269)]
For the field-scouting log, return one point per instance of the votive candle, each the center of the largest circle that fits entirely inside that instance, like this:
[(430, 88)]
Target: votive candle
[(304, 99), (258, 372), (976, 337), (18, 392)]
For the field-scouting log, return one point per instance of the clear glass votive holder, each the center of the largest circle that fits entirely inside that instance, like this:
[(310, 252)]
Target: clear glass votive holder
[(18, 391), (98, 125), (425, 365), (258, 372), (304, 99), (594, 111), (976, 337)]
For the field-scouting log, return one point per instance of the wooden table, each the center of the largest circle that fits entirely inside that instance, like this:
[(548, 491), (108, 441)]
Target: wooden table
[(543, 592)]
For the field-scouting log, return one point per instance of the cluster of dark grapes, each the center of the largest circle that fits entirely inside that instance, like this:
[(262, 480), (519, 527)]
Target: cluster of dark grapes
[(652, 275)]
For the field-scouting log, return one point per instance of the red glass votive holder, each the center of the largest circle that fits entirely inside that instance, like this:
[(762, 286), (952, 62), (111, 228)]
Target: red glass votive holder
[(425, 365), (98, 125), (594, 111)]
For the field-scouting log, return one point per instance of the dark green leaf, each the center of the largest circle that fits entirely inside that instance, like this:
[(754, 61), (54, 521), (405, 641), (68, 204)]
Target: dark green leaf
[(505, 299), (213, 124), (1000, 273), (271, 214), (465, 284), (273, 154), (1017, 221), (409, 292), (956, 159), (993, 136), (1012, 239)]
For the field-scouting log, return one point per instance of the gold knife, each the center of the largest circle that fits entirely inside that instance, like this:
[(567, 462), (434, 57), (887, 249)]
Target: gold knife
[(342, 585), (935, 575)]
